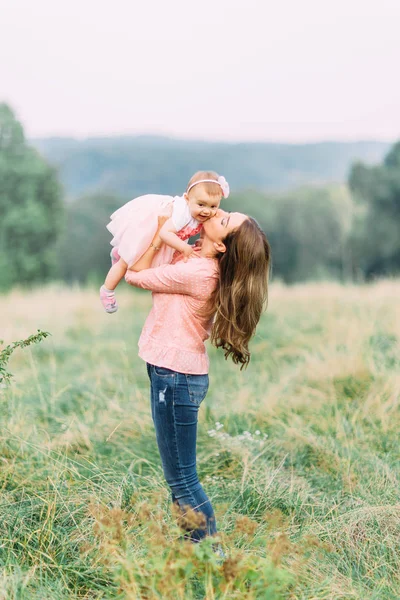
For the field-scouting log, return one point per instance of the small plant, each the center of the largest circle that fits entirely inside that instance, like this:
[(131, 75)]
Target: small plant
[(5, 355)]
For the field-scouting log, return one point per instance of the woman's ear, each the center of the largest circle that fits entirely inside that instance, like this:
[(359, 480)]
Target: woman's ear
[(219, 247)]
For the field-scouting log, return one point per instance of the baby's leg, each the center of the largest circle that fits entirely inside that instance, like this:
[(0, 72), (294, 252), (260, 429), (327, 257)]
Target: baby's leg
[(115, 274)]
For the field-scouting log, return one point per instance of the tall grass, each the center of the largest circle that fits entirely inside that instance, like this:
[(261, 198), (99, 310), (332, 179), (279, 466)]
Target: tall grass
[(299, 454)]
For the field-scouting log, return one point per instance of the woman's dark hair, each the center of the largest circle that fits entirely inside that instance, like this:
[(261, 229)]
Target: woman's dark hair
[(242, 291)]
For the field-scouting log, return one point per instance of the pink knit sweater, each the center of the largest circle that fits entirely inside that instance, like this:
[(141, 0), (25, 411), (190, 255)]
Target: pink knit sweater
[(174, 333)]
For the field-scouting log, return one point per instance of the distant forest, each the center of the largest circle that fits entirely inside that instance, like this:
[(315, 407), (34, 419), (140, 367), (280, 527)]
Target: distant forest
[(132, 166)]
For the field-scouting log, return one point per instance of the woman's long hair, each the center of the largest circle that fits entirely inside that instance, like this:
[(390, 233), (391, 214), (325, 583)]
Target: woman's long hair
[(242, 292)]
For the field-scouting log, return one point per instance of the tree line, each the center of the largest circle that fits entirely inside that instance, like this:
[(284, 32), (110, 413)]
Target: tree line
[(346, 232), (131, 166)]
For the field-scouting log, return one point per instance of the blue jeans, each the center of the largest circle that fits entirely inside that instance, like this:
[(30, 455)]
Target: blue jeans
[(175, 402)]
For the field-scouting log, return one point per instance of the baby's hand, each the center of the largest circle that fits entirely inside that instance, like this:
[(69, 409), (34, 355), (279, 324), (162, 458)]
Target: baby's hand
[(189, 251), (198, 244)]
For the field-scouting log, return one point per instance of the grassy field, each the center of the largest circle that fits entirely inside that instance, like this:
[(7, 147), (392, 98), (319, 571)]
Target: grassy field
[(300, 454)]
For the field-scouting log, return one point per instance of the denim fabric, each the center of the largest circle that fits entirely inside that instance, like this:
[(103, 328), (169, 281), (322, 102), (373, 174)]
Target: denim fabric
[(175, 402)]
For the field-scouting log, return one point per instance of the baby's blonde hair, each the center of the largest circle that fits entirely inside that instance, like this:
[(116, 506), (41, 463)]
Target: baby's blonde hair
[(212, 189)]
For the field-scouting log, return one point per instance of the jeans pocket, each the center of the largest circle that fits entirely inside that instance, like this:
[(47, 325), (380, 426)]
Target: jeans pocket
[(163, 372), (198, 387)]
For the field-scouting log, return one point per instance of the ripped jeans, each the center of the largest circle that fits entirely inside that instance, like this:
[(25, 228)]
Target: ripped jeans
[(175, 402)]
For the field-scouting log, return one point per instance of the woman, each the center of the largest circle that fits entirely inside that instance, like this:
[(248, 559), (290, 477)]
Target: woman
[(226, 281)]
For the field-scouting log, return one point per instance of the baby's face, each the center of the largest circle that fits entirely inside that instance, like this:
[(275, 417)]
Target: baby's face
[(202, 206)]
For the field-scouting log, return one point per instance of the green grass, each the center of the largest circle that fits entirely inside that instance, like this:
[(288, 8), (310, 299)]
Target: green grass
[(300, 454)]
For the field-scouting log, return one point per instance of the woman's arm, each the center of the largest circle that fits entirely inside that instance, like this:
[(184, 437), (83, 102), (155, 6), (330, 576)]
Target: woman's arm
[(180, 278)]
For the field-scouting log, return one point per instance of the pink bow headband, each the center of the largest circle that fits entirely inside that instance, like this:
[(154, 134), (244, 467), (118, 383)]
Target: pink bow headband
[(222, 182)]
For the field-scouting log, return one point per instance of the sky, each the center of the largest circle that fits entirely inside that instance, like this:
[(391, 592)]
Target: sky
[(235, 70)]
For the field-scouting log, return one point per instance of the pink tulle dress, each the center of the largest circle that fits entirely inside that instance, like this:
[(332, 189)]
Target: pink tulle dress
[(135, 224)]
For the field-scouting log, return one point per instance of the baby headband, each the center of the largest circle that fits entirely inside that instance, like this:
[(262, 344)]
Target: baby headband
[(222, 182)]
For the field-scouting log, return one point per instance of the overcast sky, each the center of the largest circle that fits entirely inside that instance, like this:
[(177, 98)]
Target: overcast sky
[(280, 70)]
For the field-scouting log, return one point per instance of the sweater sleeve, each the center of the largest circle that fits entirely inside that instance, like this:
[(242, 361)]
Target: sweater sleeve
[(180, 278)]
